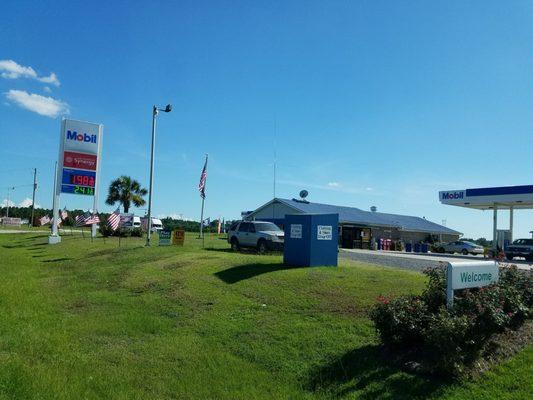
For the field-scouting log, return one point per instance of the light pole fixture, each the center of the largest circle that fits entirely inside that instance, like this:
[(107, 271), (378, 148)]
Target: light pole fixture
[(155, 111)]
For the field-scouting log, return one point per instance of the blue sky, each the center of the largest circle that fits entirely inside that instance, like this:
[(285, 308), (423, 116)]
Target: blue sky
[(366, 102)]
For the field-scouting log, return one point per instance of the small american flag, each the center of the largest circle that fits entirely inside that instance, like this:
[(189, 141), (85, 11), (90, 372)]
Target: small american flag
[(44, 220), (113, 221), (203, 178), (82, 219), (93, 219), (64, 214)]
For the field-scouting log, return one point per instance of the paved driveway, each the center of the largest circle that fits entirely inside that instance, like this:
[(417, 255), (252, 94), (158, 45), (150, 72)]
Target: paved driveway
[(413, 261)]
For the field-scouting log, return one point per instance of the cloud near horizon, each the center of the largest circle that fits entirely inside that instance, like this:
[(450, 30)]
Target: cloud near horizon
[(27, 203), (42, 105), (10, 69)]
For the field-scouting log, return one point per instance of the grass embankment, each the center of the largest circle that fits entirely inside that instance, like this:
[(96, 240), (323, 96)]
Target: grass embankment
[(91, 320)]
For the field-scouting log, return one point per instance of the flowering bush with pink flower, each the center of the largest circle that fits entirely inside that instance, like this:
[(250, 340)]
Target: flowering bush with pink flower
[(449, 341)]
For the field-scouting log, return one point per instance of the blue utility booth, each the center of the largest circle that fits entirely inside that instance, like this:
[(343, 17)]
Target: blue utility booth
[(311, 239)]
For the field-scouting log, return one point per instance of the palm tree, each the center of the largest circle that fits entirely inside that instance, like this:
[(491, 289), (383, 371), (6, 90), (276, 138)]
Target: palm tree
[(126, 191)]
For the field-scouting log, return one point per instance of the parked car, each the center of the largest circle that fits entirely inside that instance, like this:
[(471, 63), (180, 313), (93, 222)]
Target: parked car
[(520, 248), (256, 234), (462, 247)]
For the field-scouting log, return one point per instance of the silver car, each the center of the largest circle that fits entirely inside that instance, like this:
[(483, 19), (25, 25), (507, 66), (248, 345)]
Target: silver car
[(256, 234), (462, 247)]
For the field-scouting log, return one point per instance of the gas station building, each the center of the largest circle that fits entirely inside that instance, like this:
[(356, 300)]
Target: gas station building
[(493, 198), (358, 228)]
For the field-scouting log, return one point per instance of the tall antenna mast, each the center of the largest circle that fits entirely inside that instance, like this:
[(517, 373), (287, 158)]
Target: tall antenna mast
[(275, 161), (275, 154)]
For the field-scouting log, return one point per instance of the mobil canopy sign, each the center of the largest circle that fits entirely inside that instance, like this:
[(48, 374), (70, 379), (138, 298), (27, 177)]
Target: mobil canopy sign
[(464, 275), (453, 195)]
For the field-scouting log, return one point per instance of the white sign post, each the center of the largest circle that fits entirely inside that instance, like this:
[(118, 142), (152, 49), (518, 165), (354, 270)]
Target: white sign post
[(78, 172), (463, 275)]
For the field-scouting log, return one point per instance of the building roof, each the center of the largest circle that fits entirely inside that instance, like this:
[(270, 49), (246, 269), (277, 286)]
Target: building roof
[(352, 215)]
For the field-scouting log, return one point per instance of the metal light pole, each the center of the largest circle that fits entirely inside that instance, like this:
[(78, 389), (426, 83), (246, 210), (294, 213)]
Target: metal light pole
[(155, 111)]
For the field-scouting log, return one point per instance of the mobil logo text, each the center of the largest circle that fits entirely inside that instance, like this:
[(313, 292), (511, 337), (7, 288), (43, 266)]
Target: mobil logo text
[(81, 137), (453, 195)]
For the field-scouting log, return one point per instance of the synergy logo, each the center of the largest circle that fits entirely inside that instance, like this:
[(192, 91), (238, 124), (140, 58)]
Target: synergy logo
[(452, 195), (81, 137)]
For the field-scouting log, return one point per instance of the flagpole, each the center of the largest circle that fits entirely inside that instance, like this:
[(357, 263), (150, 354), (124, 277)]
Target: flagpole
[(203, 201)]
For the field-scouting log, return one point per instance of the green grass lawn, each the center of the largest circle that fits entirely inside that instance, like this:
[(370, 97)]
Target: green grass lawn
[(91, 320)]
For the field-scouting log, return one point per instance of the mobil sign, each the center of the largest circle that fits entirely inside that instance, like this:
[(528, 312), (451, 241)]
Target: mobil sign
[(452, 196), (79, 157), (81, 137)]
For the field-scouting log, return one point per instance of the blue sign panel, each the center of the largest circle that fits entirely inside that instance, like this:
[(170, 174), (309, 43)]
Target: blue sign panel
[(78, 177)]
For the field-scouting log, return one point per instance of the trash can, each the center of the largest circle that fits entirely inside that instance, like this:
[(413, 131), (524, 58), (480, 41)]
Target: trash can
[(408, 247), (424, 247), (417, 247)]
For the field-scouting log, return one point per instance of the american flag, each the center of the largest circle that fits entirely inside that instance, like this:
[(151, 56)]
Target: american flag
[(93, 219), (203, 178), (44, 220), (64, 214), (82, 219), (113, 221)]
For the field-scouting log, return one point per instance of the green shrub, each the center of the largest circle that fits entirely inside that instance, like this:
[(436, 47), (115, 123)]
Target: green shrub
[(105, 230), (449, 341), (400, 321), (136, 232)]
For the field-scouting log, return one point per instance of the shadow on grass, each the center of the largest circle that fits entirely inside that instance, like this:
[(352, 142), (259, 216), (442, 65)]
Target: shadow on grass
[(247, 271), (57, 260), (366, 371)]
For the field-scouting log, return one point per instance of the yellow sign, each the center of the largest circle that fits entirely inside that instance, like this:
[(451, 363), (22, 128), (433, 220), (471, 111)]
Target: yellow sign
[(178, 236)]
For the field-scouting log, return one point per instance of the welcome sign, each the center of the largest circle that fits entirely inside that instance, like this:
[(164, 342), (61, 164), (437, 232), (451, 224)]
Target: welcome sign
[(463, 275)]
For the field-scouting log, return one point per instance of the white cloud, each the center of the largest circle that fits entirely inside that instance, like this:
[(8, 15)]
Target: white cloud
[(5, 203), (9, 69), (369, 189), (42, 105), (334, 184), (51, 79), (174, 216), (27, 203), (47, 89)]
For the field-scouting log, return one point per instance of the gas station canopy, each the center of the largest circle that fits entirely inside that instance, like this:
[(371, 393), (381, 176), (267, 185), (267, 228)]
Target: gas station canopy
[(493, 198), (502, 198)]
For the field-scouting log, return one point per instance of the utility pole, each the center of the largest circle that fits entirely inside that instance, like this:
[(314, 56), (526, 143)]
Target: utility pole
[(33, 196), (8, 200)]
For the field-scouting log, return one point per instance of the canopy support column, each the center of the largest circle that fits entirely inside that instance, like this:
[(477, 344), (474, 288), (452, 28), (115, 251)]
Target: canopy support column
[(495, 229), (511, 218)]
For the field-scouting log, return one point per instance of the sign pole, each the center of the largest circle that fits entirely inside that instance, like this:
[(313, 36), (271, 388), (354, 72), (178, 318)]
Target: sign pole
[(97, 185), (449, 287), (54, 237)]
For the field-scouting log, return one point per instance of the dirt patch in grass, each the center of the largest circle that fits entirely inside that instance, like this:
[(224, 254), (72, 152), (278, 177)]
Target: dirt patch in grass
[(504, 346), (339, 303)]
